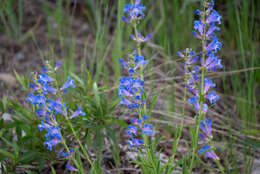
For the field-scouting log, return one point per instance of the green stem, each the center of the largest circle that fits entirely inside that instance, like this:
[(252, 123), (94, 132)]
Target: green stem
[(182, 124), (72, 157), (201, 114), (73, 130), (68, 150), (79, 142), (220, 166)]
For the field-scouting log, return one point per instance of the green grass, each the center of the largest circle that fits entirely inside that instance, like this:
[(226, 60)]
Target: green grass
[(171, 23)]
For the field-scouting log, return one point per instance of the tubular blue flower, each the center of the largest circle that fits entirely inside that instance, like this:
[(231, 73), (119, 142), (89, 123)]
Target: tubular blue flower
[(71, 168), (211, 29), (139, 60), (67, 154), (141, 38), (135, 11), (42, 113), (215, 45), (145, 117), (56, 106), (44, 78), (68, 83), (197, 12), (208, 84), (138, 125), (212, 63), (36, 99), (198, 25), (53, 136), (48, 89), (205, 29), (196, 34), (213, 17), (131, 88), (205, 126), (208, 153), (147, 129), (212, 97), (194, 100), (132, 130), (133, 142), (180, 54), (77, 112), (134, 61), (57, 66)]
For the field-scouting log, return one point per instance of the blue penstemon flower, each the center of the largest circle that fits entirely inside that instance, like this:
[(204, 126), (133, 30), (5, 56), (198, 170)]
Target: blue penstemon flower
[(201, 87), (44, 95), (134, 11), (131, 90), (136, 128)]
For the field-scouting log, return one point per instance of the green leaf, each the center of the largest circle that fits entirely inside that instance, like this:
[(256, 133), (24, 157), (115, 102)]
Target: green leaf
[(153, 101), (90, 80), (16, 149), (21, 80), (53, 170), (7, 154), (96, 94), (120, 122), (77, 78), (28, 156), (113, 105)]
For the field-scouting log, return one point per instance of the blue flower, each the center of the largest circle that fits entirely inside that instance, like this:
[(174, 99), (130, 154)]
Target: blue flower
[(215, 45), (212, 97), (68, 83), (205, 29), (56, 106), (211, 29), (198, 25), (208, 83), (141, 38), (212, 63), (197, 12), (205, 126), (129, 91), (67, 154), (194, 100), (132, 130), (44, 78), (208, 153), (36, 99), (70, 168), (53, 136), (147, 129), (58, 63), (213, 17), (77, 112), (42, 113), (133, 142), (48, 89), (138, 125), (135, 11)]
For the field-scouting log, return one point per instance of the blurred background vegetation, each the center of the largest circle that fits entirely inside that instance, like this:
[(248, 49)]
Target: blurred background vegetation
[(89, 34)]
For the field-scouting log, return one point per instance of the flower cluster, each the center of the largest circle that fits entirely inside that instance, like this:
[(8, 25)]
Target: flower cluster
[(134, 11), (135, 126), (44, 95), (131, 86), (197, 64), (205, 135)]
